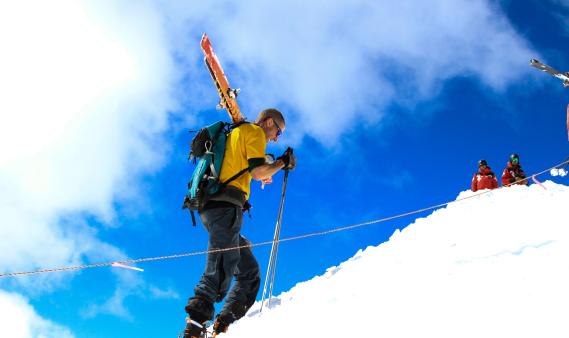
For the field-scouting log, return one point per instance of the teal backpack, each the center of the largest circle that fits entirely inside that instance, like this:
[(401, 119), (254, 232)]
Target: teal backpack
[(207, 150)]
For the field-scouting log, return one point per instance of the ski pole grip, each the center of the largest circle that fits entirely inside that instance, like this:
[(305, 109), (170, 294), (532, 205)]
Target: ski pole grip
[(291, 160)]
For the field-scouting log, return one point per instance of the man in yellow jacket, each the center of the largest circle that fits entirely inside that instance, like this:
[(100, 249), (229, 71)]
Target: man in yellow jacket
[(222, 216)]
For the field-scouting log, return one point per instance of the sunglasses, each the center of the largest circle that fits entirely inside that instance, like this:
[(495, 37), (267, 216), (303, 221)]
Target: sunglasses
[(279, 130), (515, 160)]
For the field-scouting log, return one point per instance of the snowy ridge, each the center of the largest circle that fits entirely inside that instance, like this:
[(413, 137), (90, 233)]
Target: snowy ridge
[(493, 266)]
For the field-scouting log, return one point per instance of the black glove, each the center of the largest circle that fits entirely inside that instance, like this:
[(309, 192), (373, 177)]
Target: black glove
[(519, 180), (288, 159)]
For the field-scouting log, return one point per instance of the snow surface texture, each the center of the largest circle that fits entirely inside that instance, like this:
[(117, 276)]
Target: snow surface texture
[(492, 266)]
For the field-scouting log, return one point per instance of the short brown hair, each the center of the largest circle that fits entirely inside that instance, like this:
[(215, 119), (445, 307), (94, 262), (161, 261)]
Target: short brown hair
[(273, 113)]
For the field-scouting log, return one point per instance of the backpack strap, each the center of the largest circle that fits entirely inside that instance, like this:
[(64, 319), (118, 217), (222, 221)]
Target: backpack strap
[(233, 178), (231, 127), (236, 124), (222, 129), (225, 128)]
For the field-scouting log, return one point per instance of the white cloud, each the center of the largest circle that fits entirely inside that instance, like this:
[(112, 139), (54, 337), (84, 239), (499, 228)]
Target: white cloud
[(19, 320), (338, 63), (86, 101), (86, 89), (163, 294), (115, 306), (131, 284)]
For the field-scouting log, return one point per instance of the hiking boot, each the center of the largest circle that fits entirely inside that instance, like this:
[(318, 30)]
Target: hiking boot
[(194, 329), (219, 326), (199, 309)]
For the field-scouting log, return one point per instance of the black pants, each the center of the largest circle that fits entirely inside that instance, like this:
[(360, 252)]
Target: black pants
[(223, 225)]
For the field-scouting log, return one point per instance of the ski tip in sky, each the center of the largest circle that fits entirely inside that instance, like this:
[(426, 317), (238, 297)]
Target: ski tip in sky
[(551, 71)]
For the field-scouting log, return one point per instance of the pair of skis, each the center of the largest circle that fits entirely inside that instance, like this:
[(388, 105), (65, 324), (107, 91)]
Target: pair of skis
[(227, 95), (551, 71), (554, 72)]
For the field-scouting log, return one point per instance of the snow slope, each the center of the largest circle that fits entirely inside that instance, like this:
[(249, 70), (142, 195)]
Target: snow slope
[(496, 265)]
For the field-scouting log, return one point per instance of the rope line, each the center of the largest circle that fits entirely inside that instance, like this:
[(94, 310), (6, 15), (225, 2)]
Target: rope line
[(288, 239)]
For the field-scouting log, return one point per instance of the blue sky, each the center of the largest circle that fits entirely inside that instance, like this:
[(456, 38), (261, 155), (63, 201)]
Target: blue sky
[(389, 107)]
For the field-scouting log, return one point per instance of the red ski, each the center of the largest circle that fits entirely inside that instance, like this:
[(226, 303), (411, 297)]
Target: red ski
[(227, 94)]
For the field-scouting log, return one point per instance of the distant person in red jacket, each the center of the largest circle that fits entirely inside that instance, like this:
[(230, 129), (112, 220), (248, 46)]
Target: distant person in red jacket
[(514, 174), (484, 178)]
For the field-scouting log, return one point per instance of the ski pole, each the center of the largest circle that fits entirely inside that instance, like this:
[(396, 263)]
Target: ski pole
[(275, 256), (274, 248), (271, 269)]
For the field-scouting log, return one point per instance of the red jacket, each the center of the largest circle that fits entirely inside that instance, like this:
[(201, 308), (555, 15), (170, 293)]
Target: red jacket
[(514, 173), (484, 179)]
